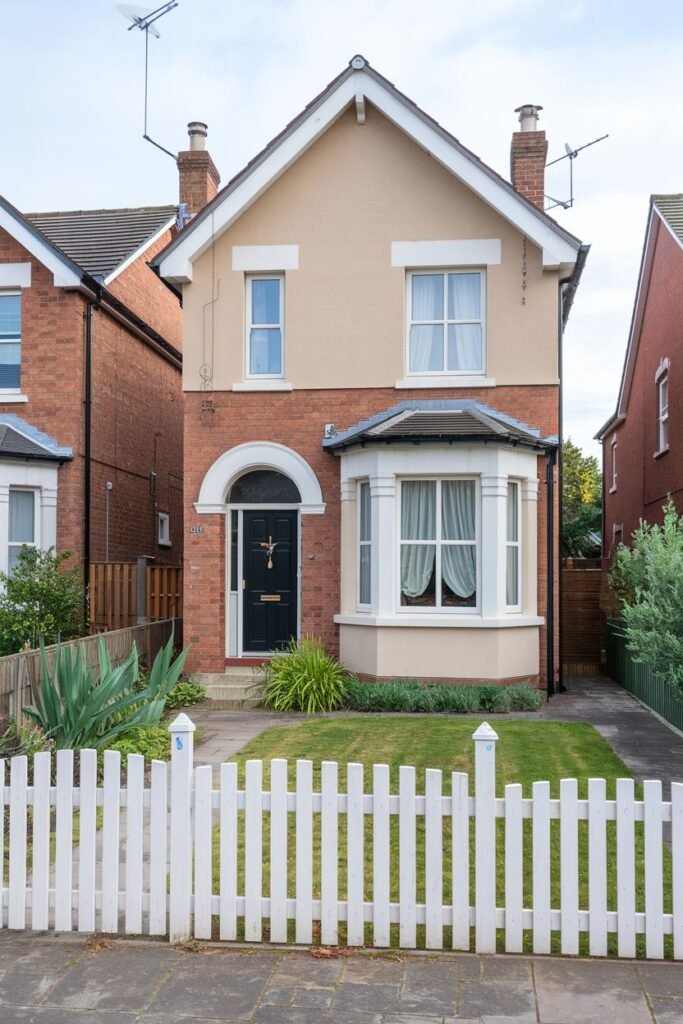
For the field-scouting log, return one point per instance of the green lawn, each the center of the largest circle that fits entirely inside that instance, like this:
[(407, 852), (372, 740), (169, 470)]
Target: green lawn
[(526, 751)]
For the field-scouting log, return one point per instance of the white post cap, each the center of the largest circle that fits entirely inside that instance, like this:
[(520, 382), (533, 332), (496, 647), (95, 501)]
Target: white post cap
[(485, 732), (182, 724)]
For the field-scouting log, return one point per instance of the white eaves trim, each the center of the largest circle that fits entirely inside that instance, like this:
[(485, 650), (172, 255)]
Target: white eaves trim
[(15, 275), (463, 252), (177, 265), (139, 251), (255, 258), (64, 275)]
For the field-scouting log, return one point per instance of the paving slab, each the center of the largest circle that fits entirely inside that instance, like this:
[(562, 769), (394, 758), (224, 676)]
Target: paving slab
[(223, 986), (589, 991)]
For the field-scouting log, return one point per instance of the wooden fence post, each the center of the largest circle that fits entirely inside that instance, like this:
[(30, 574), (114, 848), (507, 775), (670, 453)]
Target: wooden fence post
[(182, 744), (485, 838)]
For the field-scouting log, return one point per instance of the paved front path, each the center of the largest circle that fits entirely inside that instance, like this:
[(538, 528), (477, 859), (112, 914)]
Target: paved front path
[(66, 981)]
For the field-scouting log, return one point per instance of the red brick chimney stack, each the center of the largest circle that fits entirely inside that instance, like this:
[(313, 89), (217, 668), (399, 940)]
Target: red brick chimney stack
[(528, 155), (199, 178)]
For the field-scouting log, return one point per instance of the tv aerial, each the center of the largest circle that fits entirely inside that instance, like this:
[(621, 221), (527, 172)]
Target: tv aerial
[(571, 155), (143, 18)]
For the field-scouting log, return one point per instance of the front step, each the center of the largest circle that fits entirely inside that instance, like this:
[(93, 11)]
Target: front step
[(236, 689)]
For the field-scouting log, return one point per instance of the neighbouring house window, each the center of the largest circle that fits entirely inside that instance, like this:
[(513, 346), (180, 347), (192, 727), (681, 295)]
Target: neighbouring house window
[(438, 545), (10, 340), (512, 548), (22, 524), (614, 464), (265, 325), (364, 545), (663, 412), (446, 322), (164, 529)]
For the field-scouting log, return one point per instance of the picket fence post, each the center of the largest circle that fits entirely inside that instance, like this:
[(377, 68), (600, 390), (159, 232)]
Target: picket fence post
[(182, 754), (485, 838)]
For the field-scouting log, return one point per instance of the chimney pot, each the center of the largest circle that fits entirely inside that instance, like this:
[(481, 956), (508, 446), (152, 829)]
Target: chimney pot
[(197, 131), (528, 117)]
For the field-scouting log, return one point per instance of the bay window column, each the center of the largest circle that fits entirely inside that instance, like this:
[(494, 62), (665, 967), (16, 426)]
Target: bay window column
[(529, 545), (48, 518), (492, 544), (4, 526), (349, 548), (384, 546)]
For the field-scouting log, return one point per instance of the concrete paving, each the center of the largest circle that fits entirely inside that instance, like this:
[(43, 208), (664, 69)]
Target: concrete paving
[(69, 981)]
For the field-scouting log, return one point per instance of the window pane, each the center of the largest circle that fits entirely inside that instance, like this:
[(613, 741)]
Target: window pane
[(458, 508), (21, 517), (10, 315), (663, 395), (417, 574), (426, 348), (233, 551), (512, 576), (265, 301), (464, 296), (513, 512), (265, 351), (10, 376), (464, 347), (459, 572), (365, 511), (427, 297), (364, 588), (418, 510), (13, 557), (263, 486)]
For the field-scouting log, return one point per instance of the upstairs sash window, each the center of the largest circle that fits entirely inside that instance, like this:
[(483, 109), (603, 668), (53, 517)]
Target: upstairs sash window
[(10, 340), (446, 322), (265, 329)]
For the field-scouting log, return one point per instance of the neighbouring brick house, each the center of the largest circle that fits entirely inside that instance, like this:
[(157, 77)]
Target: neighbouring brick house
[(641, 452), (371, 367), (90, 386)]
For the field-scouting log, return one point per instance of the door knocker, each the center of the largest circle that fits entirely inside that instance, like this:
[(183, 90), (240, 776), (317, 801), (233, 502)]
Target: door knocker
[(270, 546)]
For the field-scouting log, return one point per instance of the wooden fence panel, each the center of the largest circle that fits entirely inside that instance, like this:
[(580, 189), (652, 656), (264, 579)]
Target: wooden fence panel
[(582, 618), (113, 594)]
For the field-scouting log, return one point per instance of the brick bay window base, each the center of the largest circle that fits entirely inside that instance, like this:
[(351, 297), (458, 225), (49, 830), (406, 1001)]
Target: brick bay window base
[(409, 543)]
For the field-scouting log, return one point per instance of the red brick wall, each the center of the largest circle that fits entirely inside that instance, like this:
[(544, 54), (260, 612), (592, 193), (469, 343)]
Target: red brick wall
[(297, 419), (527, 165), (145, 293), (644, 482), (136, 413)]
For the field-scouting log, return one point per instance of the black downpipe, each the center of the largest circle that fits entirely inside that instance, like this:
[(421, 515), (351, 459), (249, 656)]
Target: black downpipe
[(550, 595), (87, 468)]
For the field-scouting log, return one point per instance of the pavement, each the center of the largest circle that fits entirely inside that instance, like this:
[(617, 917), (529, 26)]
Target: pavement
[(68, 981)]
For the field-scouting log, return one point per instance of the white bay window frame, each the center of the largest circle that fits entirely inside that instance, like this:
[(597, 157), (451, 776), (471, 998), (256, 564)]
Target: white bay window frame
[(364, 543), (513, 546), (251, 326), (445, 321)]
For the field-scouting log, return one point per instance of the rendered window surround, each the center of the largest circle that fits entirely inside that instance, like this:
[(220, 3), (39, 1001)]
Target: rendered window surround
[(11, 392), (613, 450), (662, 385), (364, 544), (164, 524), (515, 544), (458, 378), (263, 379)]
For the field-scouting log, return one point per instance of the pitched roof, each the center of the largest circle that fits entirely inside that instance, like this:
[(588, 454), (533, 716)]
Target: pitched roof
[(671, 210), (449, 420), (21, 440), (99, 241), (358, 81)]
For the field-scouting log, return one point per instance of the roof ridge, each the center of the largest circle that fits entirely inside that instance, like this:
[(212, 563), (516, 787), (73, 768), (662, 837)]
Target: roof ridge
[(112, 209)]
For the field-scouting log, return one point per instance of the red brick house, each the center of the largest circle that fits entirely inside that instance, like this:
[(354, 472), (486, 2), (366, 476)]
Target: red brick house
[(642, 462), (90, 386), (371, 376)]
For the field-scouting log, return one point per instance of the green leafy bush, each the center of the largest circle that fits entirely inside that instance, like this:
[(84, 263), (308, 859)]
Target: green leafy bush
[(27, 738), (304, 678), (407, 696), (153, 742), (184, 694), (42, 599), (648, 580), (75, 710)]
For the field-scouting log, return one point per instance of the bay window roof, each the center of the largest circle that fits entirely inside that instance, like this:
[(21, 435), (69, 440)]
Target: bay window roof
[(451, 421)]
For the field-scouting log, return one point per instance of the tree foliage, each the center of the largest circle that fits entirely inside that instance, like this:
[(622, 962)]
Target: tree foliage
[(581, 502), (648, 580), (42, 599)]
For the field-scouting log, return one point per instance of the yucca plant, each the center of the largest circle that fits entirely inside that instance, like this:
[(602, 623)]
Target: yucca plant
[(303, 677), (76, 710)]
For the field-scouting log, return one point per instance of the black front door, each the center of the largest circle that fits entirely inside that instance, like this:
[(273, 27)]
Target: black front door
[(269, 589)]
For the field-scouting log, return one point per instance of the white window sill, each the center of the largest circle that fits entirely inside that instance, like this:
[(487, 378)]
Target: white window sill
[(165, 544), (11, 395), (442, 380), (440, 621), (262, 385), (662, 451)]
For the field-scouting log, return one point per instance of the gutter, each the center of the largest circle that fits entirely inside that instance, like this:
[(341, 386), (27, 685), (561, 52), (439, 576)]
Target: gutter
[(572, 282)]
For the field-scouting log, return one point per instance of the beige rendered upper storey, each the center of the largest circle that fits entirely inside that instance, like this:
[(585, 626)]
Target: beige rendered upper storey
[(355, 191)]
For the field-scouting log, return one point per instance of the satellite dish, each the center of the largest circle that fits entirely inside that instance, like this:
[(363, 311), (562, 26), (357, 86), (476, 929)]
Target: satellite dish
[(138, 16)]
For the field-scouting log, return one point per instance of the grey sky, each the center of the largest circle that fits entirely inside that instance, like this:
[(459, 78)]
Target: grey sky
[(71, 81)]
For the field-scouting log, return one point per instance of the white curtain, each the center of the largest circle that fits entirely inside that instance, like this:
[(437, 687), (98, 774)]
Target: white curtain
[(426, 340), (464, 347), (21, 517), (265, 301), (464, 296), (459, 561), (418, 522), (464, 340)]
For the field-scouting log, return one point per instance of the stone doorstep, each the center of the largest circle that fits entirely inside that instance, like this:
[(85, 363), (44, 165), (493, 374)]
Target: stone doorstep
[(240, 704)]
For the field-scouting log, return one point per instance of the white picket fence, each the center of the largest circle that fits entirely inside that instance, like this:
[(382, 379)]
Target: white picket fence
[(145, 863)]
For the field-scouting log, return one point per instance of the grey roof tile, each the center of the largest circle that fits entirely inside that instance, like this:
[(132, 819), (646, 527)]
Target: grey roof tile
[(20, 439), (671, 209)]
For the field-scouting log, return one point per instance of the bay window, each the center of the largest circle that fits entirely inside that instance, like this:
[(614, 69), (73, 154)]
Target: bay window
[(22, 524), (438, 544), (364, 546), (265, 325), (446, 322), (512, 548)]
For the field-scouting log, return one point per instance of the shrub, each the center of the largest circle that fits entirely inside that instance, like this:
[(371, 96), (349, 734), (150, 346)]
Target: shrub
[(405, 696), (75, 710), (153, 743), (41, 599), (27, 738), (304, 678), (184, 694)]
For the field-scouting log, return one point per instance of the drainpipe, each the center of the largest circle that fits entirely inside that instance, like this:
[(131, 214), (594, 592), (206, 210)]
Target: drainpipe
[(91, 305), (550, 594)]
